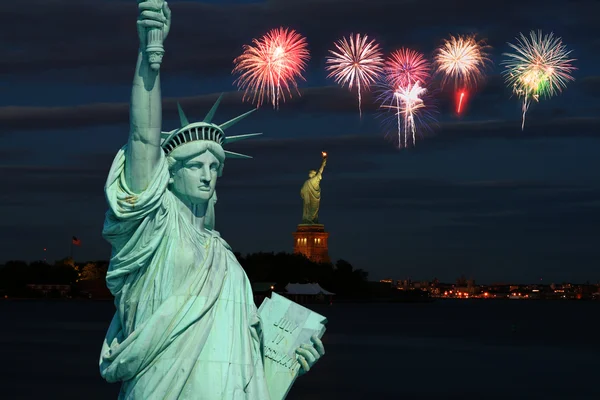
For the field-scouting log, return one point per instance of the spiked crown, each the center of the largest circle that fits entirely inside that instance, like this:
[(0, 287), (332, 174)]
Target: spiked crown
[(204, 130)]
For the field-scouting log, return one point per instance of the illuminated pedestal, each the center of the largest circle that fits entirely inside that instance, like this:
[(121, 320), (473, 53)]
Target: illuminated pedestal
[(311, 240)]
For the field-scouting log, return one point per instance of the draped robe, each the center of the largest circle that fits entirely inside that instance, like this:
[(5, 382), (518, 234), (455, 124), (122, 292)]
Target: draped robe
[(186, 326), (311, 196)]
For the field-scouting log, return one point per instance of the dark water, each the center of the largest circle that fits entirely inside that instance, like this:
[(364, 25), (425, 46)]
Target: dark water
[(461, 349)]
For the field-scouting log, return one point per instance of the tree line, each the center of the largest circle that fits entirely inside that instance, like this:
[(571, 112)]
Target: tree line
[(340, 277)]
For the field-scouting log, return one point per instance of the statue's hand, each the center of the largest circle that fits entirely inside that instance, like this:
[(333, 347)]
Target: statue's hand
[(309, 354), (154, 14)]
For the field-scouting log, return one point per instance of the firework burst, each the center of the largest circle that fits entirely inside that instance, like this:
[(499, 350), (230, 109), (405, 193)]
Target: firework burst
[(355, 61), (403, 69), (411, 102), (540, 67), (411, 108), (463, 60), (271, 66)]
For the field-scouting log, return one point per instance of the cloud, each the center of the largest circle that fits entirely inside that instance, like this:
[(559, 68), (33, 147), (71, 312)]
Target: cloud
[(108, 37), (48, 181), (11, 155), (320, 100), (477, 204), (356, 178), (361, 170), (590, 86)]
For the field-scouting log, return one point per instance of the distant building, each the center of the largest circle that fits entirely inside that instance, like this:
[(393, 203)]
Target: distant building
[(50, 290), (307, 293)]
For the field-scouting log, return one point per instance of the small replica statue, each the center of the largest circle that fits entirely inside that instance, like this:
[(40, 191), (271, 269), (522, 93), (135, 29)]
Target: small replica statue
[(186, 326), (311, 194)]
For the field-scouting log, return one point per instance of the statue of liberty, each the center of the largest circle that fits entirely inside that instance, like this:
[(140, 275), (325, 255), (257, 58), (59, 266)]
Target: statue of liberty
[(311, 194), (186, 326)]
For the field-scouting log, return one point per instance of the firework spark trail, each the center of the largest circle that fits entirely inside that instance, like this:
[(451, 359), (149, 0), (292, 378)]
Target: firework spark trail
[(403, 68), (540, 67), (389, 100), (462, 96), (408, 103), (271, 66), (462, 59), (411, 104), (399, 121), (355, 61)]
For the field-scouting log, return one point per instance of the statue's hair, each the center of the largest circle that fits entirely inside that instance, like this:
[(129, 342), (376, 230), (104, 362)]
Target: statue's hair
[(200, 147), (312, 172), (217, 151)]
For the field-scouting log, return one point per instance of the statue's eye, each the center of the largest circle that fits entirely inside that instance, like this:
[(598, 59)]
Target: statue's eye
[(214, 166)]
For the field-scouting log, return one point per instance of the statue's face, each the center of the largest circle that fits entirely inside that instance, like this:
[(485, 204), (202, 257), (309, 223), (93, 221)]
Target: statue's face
[(312, 174), (195, 180)]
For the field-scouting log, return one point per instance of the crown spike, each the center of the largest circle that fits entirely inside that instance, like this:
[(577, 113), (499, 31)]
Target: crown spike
[(182, 118), (231, 154), (213, 110), (234, 121), (232, 139)]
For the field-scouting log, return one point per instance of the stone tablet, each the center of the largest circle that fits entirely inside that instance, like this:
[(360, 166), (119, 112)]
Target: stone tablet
[(286, 325)]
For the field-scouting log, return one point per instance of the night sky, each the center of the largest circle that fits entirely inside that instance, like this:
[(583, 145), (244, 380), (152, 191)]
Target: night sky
[(476, 196)]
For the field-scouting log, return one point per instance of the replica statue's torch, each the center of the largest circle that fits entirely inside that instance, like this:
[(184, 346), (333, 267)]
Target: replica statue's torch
[(154, 40), (324, 154)]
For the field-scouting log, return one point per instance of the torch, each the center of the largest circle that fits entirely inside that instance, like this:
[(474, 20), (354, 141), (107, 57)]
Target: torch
[(154, 40), (324, 154)]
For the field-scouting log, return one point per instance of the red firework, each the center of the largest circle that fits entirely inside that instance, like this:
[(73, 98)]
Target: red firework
[(271, 66), (405, 67), (461, 99)]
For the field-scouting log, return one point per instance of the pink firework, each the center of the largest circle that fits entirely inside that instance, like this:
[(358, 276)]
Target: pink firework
[(405, 67), (271, 66), (406, 74), (355, 61)]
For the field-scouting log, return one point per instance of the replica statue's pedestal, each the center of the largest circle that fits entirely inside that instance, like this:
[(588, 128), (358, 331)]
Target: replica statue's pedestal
[(311, 240)]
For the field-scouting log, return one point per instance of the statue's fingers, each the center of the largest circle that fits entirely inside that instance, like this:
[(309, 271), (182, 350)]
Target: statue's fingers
[(148, 23), (306, 354), (166, 11), (148, 5), (155, 16), (303, 363), (312, 350), (318, 344)]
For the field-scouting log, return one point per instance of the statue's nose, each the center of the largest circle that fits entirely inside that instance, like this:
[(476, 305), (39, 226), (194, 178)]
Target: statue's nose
[(205, 175)]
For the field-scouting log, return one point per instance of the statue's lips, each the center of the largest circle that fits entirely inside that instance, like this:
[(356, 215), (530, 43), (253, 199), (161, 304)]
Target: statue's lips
[(204, 188)]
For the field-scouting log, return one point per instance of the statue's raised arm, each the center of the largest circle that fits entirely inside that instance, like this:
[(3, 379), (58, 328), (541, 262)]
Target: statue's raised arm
[(145, 113), (320, 172)]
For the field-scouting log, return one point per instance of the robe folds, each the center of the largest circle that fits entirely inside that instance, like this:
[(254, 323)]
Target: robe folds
[(185, 326), (311, 196)]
